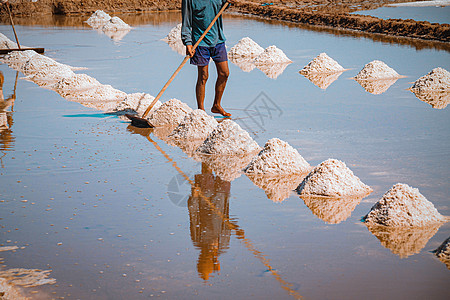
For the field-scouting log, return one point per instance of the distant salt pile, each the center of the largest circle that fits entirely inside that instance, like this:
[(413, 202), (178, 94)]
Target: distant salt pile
[(403, 205), (17, 59), (174, 35), (228, 138), (376, 70), (137, 103), (272, 70), (98, 19), (322, 64), (437, 99), (277, 158), (437, 80), (322, 80), (404, 241), (66, 87), (226, 167), (277, 188), (245, 48), (116, 24), (376, 87), (332, 210), (171, 112), (40, 67), (332, 178), (443, 252), (272, 55), (196, 125)]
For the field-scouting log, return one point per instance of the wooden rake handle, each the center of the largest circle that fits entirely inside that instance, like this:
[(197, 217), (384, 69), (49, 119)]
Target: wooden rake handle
[(12, 23), (184, 61)]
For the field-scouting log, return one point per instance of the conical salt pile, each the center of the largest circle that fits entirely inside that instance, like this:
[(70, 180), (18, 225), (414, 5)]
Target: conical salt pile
[(171, 113), (437, 80), (230, 139), (245, 48), (322, 64), (116, 24), (332, 178), (376, 70), (403, 205), (443, 252), (277, 158), (137, 103), (272, 55), (98, 19), (196, 125)]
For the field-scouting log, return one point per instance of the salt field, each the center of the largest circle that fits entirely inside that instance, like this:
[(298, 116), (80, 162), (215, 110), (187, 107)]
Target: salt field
[(94, 208)]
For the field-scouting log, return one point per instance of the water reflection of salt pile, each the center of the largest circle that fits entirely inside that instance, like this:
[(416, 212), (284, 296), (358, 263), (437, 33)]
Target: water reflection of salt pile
[(163, 133), (376, 87), (273, 70), (322, 80), (116, 35), (404, 241), (437, 99), (227, 167), (443, 252), (277, 188), (332, 210), (244, 64)]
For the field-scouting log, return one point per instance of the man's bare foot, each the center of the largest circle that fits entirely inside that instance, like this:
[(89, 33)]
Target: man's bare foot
[(219, 110), (202, 108)]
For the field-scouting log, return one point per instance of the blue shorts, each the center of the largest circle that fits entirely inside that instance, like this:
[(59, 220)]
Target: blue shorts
[(201, 57)]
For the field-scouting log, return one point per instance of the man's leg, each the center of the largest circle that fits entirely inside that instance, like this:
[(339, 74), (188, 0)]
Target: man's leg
[(201, 84), (222, 76)]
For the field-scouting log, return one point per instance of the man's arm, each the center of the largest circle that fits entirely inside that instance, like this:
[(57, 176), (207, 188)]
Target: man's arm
[(186, 26)]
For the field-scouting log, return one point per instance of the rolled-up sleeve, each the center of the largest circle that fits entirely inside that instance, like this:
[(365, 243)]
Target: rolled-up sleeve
[(186, 25)]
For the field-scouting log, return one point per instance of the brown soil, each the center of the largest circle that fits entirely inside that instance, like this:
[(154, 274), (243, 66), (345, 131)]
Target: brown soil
[(320, 13)]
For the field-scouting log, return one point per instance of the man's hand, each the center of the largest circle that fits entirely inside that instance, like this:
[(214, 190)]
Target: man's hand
[(189, 50)]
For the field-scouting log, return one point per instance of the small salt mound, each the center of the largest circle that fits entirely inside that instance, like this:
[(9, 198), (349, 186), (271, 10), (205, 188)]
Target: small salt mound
[(404, 241), (227, 167), (332, 178), (245, 64), (6, 43), (40, 67), (27, 277), (273, 70), (437, 99), (78, 82), (376, 70), (277, 188), (102, 92), (376, 87), (403, 205), (137, 103), (443, 252), (278, 158), (174, 35), (196, 125), (437, 80), (245, 48), (171, 112), (116, 24), (17, 59), (323, 80), (332, 210), (230, 139), (98, 19), (322, 64), (272, 55)]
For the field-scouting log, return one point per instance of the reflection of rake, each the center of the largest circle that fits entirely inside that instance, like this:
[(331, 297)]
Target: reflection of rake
[(231, 224)]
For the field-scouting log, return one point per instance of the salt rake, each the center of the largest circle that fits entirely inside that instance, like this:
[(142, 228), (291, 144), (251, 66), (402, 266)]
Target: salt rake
[(142, 122)]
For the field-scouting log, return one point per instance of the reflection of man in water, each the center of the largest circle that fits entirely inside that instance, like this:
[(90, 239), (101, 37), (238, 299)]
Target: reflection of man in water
[(208, 206), (6, 120)]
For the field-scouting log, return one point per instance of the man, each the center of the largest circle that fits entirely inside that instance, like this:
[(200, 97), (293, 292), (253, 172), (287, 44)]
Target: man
[(197, 15)]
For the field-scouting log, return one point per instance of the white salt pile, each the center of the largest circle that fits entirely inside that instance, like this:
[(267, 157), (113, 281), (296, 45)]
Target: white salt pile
[(6, 43), (98, 19), (272, 55), (245, 48), (437, 80), (171, 112), (322, 64), (273, 70), (43, 68), (376, 87), (17, 59), (96, 94), (227, 167), (404, 241), (332, 210), (443, 252), (174, 35), (116, 24), (230, 139), (332, 178), (196, 125), (403, 205), (137, 103), (277, 188), (437, 99), (66, 87), (322, 80), (277, 158), (376, 70)]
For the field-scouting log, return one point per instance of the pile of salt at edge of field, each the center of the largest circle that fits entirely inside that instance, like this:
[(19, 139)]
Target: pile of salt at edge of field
[(330, 179), (114, 27)]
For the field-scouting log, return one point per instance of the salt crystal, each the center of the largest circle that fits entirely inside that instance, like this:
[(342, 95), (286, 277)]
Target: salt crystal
[(277, 158), (245, 48), (376, 70), (332, 178), (171, 112), (137, 103), (272, 55), (437, 80), (322, 64), (403, 205), (230, 139)]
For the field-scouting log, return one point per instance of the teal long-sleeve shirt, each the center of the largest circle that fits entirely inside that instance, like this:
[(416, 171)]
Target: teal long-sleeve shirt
[(197, 15)]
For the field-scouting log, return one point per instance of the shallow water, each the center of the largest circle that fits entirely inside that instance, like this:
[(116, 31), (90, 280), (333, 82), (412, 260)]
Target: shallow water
[(431, 14), (132, 226)]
